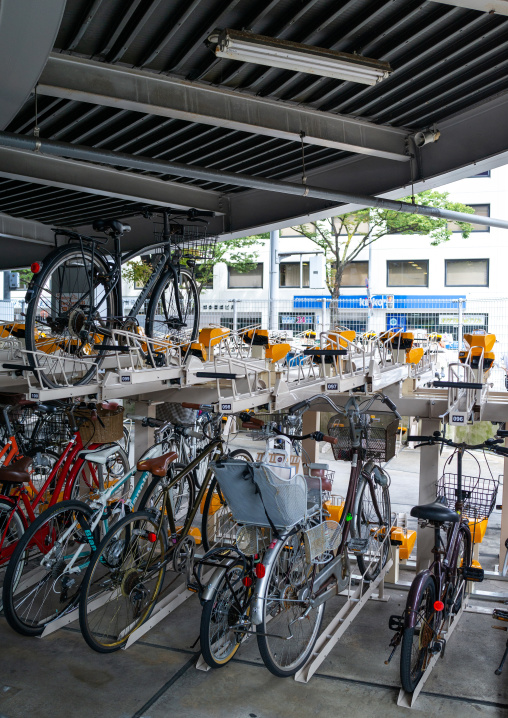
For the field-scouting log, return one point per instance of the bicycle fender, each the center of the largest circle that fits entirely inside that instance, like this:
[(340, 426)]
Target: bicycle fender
[(212, 584), (262, 583), (413, 597)]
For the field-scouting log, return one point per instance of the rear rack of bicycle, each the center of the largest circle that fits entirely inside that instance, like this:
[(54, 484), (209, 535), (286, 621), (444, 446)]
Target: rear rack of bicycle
[(232, 370)]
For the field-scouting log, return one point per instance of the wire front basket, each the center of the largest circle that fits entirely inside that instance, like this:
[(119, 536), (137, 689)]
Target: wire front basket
[(478, 494), (32, 428), (191, 245), (379, 436)]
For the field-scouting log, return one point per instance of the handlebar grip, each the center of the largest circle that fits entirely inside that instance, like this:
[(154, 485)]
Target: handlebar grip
[(421, 438), (502, 432), (188, 405), (297, 407), (330, 439)]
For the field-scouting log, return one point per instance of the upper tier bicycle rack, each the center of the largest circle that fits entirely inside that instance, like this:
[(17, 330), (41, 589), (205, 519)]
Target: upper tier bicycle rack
[(234, 377)]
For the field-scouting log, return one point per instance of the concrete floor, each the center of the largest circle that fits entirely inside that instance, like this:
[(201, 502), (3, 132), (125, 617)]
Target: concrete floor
[(60, 677)]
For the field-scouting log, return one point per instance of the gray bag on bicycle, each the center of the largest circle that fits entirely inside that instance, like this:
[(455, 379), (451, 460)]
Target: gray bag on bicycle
[(257, 496)]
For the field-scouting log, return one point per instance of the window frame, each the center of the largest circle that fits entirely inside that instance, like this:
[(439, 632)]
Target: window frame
[(485, 228), (301, 278), (258, 264), (474, 259), (393, 286)]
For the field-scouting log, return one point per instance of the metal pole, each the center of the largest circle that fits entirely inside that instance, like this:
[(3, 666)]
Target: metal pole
[(121, 159), (461, 324), (274, 279), (7, 286), (235, 315)]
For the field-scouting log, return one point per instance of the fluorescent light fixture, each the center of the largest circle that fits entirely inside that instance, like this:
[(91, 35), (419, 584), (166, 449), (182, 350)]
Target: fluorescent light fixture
[(261, 50)]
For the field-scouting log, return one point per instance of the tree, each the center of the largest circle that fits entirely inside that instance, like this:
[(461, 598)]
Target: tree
[(237, 253), (343, 238)]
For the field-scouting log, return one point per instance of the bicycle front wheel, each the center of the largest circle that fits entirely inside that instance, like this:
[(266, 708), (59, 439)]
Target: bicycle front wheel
[(43, 578), (369, 527), (289, 628), (415, 652), (122, 582), (163, 320), (67, 315), (12, 528)]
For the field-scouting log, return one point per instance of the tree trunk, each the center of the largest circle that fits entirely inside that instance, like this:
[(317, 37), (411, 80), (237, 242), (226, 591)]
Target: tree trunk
[(334, 304)]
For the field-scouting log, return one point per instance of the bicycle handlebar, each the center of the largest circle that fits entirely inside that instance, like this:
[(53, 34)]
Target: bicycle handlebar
[(340, 410), (488, 444)]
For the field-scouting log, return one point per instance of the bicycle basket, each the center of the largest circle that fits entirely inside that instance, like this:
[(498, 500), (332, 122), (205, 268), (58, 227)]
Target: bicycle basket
[(106, 428), (191, 245), (321, 541), (32, 426), (379, 440), (254, 493), (478, 494)]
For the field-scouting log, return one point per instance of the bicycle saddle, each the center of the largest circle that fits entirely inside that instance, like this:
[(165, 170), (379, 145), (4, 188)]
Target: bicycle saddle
[(17, 472), (159, 465), (435, 512), (117, 227), (47, 409)]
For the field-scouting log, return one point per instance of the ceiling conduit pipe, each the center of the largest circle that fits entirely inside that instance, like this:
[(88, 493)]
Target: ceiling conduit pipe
[(148, 164)]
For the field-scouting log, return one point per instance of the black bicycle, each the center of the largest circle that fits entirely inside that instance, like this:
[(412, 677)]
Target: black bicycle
[(74, 299)]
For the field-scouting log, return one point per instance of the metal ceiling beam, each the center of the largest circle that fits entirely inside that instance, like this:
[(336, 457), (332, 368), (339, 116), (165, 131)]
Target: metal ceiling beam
[(500, 7), (28, 29), (149, 164), (168, 96), (85, 177)]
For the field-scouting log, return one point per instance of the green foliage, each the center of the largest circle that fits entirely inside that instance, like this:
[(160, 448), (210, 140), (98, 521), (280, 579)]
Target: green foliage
[(25, 276), (343, 238), (137, 273), (237, 253)]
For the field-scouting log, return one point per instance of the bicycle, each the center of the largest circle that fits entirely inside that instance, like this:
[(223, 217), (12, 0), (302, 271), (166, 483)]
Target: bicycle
[(275, 582), (501, 615), (43, 579), (126, 573), (21, 499), (437, 593), (74, 299)]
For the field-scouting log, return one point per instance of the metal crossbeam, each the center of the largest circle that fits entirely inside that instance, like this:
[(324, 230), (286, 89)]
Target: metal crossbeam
[(74, 78)]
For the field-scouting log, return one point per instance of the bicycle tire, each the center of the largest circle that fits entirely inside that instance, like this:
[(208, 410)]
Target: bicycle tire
[(43, 336), (412, 670), (210, 511), (160, 329), (22, 614), (282, 610), (460, 560), (121, 544), (365, 518), (221, 606), (9, 537), (182, 502)]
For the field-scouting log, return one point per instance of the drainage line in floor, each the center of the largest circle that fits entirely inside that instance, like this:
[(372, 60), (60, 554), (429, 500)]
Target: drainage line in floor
[(166, 686)]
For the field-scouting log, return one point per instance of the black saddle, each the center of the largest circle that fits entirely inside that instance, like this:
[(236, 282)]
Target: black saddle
[(117, 227), (435, 512)]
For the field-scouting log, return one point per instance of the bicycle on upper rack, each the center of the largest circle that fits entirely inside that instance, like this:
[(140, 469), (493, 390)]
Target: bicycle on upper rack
[(43, 578), (437, 593), (501, 615), (126, 573), (74, 299), (23, 498), (289, 557)]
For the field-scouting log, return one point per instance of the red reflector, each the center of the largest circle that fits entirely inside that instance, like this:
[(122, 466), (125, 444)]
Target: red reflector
[(151, 536), (247, 581), (260, 570), (36, 267), (438, 605)]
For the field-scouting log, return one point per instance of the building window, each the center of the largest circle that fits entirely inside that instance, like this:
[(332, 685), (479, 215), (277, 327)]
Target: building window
[(290, 275), (481, 174), (253, 279), (407, 273), (355, 274), (482, 210), (467, 272)]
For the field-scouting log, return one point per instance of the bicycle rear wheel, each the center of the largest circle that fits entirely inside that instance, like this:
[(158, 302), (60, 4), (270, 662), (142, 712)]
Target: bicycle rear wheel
[(415, 652), (39, 585), (162, 318), (12, 529), (226, 609), (288, 630), (122, 582), (368, 526), (67, 315)]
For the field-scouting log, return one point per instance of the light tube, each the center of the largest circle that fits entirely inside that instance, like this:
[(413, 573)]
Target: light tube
[(261, 50)]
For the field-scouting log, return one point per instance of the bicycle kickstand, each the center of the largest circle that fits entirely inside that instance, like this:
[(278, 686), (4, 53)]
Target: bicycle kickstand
[(499, 670)]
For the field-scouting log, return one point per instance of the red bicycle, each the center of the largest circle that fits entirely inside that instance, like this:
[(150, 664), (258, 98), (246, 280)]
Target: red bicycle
[(21, 502)]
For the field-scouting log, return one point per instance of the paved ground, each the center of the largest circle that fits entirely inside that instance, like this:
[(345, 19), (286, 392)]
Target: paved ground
[(60, 677)]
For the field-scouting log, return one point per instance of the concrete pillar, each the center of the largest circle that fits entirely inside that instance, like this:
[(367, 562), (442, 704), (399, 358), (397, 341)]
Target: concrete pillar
[(310, 423), (429, 474), (274, 280)]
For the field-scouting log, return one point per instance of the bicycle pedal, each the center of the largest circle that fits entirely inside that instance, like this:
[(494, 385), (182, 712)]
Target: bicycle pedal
[(473, 574), (358, 545), (396, 623)]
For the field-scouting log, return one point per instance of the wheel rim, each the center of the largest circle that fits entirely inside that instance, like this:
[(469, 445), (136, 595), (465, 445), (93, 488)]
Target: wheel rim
[(423, 634), (59, 330), (125, 582), (12, 535), (369, 527), (164, 320), (284, 614), (223, 641)]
